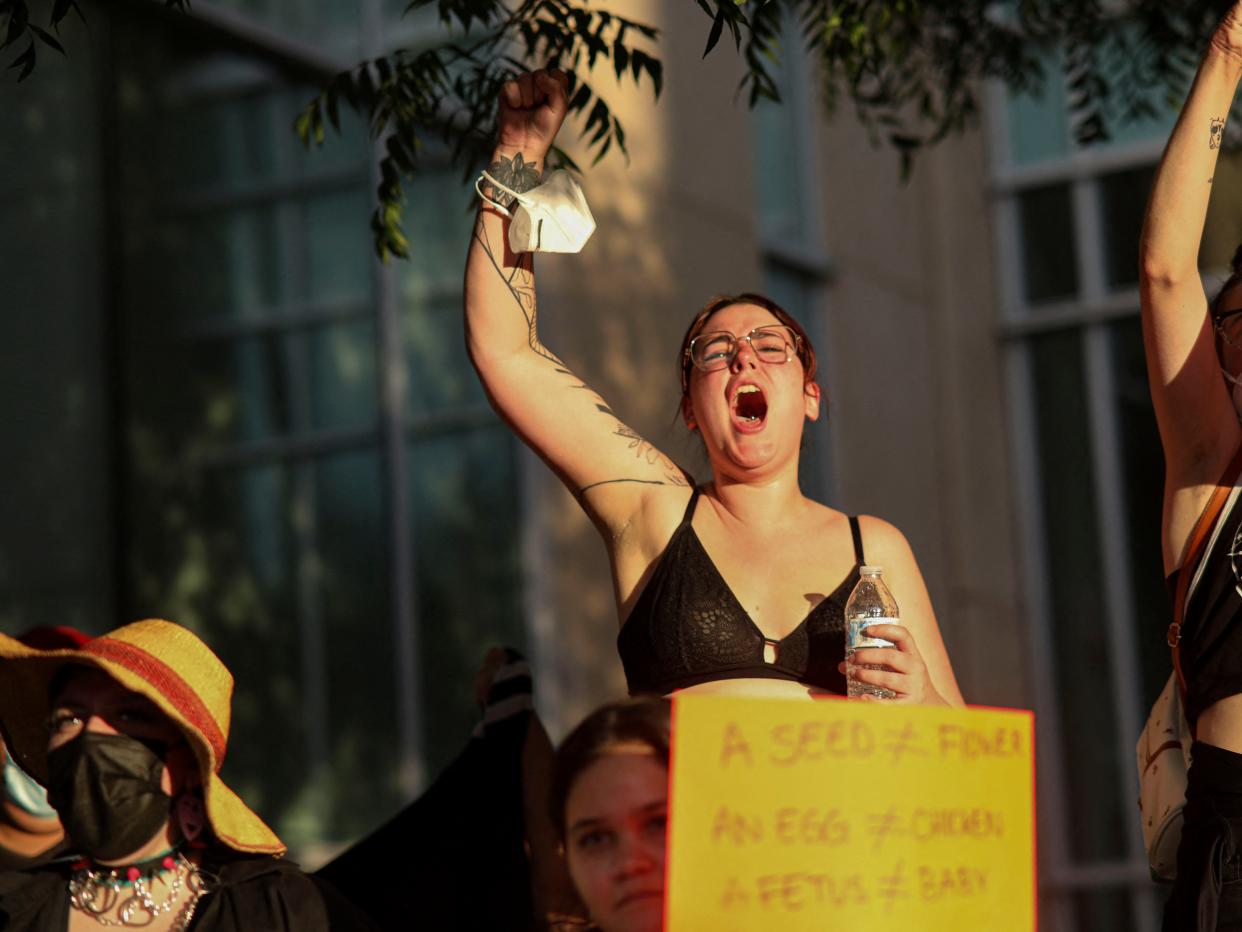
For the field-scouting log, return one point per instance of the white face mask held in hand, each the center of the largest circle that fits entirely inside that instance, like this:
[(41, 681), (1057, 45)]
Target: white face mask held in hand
[(554, 217)]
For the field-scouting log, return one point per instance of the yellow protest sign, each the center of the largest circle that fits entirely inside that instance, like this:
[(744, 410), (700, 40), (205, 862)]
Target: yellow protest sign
[(866, 817)]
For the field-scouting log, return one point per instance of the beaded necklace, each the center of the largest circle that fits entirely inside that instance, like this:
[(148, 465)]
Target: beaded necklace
[(98, 892)]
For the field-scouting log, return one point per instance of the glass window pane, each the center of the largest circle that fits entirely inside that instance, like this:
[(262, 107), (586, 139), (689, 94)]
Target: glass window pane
[(1079, 633), (465, 515), (218, 556), (440, 376), (437, 249), (360, 674), (1103, 909), (1120, 45), (211, 139), (339, 257), (214, 265), (1144, 491), (1038, 123), (796, 294), (333, 25), (346, 389), (1049, 250), (217, 393), (779, 135), (1123, 202)]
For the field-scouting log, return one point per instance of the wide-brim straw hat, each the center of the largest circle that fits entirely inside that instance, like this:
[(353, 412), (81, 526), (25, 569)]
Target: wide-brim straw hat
[(169, 665)]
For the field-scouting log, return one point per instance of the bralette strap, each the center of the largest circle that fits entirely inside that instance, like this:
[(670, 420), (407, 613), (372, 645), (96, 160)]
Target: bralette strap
[(858, 547)]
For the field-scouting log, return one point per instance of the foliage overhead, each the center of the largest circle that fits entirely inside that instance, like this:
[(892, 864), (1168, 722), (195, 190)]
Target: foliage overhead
[(449, 90), (911, 69), (18, 30)]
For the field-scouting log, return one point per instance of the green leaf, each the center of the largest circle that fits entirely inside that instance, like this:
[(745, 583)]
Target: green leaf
[(25, 62), (714, 35), (47, 38)]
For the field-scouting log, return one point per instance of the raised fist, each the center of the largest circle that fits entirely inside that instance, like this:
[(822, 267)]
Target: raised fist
[(532, 109), (1228, 35)]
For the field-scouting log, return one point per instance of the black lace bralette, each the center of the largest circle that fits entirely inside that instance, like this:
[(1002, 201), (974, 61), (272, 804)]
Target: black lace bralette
[(688, 627)]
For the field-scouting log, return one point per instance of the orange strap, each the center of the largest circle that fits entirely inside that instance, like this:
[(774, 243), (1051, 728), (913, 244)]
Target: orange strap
[(1194, 553)]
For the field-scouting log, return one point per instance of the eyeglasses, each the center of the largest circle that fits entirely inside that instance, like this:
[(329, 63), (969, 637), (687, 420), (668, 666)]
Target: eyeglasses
[(775, 345), (1228, 326)]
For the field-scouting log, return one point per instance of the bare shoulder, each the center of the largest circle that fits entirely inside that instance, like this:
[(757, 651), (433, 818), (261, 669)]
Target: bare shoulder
[(884, 544)]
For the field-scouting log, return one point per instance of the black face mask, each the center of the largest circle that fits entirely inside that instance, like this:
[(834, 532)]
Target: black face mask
[(106, 789)]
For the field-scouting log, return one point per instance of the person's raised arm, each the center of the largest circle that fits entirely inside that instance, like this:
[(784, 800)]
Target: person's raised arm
[(605, 464), (1198, 425)]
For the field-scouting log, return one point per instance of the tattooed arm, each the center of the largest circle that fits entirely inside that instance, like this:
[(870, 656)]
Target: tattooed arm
[(1198, 425), (605, 463)]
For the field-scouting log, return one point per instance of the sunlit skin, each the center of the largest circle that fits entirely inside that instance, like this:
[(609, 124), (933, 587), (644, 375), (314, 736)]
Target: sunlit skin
[(93, 701), (616, 817)]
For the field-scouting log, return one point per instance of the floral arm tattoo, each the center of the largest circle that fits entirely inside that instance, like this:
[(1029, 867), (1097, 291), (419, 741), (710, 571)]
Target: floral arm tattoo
[(520, 175), (1216, 133), (516, 174)]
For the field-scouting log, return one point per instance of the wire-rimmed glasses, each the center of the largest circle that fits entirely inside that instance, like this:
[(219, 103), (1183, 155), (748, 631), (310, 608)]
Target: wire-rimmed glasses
[(1228, 326), (774, 344)]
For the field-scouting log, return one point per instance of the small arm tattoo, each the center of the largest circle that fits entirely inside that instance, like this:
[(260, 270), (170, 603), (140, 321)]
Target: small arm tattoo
[(521, 286), (1216, 133), (516, 174)]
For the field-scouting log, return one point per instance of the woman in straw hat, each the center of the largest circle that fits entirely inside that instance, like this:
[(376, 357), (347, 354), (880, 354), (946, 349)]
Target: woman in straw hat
[(128, 732)]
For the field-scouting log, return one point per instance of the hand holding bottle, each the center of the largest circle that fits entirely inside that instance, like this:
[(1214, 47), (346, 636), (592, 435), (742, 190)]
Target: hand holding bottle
[(882, 658)]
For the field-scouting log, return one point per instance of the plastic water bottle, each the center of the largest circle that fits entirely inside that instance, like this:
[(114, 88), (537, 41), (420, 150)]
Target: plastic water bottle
[(869, 604)]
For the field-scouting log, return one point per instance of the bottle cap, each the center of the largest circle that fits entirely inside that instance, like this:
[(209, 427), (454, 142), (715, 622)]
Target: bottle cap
[(867, 570)]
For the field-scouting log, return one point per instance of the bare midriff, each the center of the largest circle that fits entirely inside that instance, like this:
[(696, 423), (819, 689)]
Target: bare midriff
[(1220, 724), (756, 687)]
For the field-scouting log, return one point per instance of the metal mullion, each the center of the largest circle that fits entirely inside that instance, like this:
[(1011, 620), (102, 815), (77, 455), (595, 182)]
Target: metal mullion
[(293, 317), (1118, 590), (1054, 845), (1100, 875), (258, 194), (306, 445), (1072, 315), (1083, 165), (402, 537), (1108, 474)]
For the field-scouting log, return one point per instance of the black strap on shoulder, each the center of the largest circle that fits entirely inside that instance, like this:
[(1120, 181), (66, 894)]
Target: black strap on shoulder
[(694, 500), (857, 532)]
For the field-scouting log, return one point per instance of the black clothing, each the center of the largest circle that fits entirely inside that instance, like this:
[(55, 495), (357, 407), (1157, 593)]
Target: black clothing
[(11, 861), (246, 894), (1207, 895), (1211, 642), (455, 857), (687, 627)]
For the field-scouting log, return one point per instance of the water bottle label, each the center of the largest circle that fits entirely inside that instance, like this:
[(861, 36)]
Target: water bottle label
[(856, 637)]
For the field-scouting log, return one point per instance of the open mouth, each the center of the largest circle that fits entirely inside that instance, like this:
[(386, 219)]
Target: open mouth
[(749, 404)]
